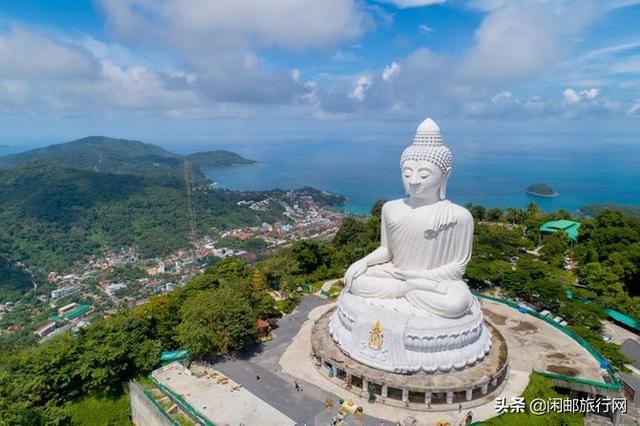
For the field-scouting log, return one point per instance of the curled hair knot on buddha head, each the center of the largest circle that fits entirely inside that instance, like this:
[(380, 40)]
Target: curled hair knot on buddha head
[(427, 146)]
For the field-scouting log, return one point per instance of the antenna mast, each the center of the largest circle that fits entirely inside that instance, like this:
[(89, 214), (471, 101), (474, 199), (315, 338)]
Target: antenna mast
[(188, 181)]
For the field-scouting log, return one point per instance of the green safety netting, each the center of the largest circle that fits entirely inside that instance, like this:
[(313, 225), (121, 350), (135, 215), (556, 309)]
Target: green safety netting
[(161, 409), (182, 403), (624, 319), (169, 356), (579, 380)]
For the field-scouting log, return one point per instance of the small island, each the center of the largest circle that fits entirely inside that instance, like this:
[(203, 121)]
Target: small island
[(541, 190)]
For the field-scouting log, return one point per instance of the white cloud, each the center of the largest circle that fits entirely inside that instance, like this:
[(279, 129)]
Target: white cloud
[(635, 108), (402, 4), (220, 41), (607, 51), (195, 58), (390, 71), (590, 94), (362, 86), (140, 88), (46, 75), (203, 24), (519, 39), (500, 97), (27, 55), (111, 51), (570, 96)]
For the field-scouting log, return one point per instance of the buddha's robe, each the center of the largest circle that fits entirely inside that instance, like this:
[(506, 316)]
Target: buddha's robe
[(432, 243)]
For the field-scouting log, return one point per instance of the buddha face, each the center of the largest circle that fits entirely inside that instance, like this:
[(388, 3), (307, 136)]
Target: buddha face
[(422, 179)]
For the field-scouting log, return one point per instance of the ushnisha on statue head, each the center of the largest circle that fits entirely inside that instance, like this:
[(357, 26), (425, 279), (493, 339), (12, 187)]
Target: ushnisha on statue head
[(426, 164)]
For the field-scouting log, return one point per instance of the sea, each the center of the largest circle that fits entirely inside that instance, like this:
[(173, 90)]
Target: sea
[(493, 172), (490, 174)]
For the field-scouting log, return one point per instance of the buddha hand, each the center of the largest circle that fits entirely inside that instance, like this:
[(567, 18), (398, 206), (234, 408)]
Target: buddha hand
[(414, 280), (427, 285), (355, 270)]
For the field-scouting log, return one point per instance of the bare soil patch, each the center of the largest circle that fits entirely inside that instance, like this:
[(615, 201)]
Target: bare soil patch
[(524, 326), (561, 369), (495, 318), (557, 355)]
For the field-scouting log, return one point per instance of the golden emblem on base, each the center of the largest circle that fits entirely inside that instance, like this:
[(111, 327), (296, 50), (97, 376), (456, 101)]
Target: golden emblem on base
[(376, 336)]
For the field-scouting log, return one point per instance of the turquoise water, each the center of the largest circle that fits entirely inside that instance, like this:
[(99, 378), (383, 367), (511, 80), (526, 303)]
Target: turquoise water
[(493, 174)]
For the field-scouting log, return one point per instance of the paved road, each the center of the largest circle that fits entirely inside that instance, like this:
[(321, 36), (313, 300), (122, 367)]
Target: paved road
[(631, 348), (276, 387)]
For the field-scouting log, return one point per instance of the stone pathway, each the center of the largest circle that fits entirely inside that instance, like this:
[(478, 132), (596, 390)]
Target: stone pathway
[(276, 387), (287, 358), (297, 362)]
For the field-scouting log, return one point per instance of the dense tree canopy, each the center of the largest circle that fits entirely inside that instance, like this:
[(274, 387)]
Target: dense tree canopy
[(216, 322)]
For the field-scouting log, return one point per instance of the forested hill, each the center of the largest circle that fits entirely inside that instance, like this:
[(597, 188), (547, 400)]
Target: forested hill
[(122, 156), (217, 158), (13, 280), (593, 210), (53, 215)]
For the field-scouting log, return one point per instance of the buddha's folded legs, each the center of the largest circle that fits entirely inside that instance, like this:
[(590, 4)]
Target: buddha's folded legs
[(453, 304), (378, 283)]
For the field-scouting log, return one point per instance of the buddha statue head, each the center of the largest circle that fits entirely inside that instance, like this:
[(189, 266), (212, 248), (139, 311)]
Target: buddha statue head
[(426, 164)]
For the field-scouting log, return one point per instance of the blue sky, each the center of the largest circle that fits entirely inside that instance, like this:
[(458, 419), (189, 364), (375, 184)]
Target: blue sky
[(207, 70)]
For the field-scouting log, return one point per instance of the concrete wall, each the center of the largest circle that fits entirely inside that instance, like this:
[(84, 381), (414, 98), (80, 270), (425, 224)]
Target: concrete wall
[(143, 411)]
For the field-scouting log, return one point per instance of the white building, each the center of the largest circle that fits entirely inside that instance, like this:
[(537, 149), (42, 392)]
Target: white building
[(112, 288), (64, 291)]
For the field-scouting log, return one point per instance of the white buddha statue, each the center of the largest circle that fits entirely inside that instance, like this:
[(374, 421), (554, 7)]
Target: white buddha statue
[(405, 307), (426, 240)]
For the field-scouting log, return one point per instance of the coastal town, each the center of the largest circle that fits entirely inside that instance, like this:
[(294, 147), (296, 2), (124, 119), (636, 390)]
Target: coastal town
[(105, 283)]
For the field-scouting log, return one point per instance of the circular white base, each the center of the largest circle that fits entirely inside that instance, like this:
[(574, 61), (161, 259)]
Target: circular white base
[(409, 341)]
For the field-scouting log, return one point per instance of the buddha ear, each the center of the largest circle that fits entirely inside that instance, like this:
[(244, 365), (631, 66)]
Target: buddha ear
[(443, 187)]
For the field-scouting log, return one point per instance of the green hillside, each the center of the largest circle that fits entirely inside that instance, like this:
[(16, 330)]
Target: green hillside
[(217, 158), (13, 281), (593, 210), (108, 155), (123, 156), (54, 215)]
